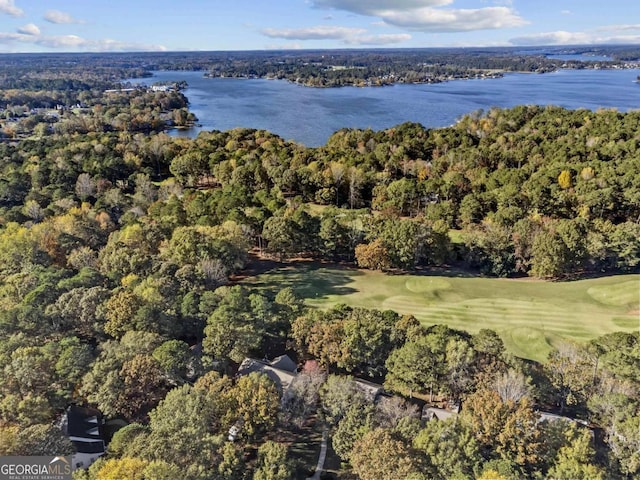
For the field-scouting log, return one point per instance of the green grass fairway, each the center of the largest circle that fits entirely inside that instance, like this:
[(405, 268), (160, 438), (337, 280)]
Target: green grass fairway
[(531, 316)]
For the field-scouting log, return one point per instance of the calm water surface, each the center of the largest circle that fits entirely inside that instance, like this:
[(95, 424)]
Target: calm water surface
[(311, 115)]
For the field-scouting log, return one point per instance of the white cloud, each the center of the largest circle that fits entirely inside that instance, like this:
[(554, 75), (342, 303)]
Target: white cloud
[(384, 39), (62, 41), (619, 28), (285, 46), (566, 12), (429, 16), (348, 36), (620, 39), (9, 7), (29, 29), (313, 33), (75, 43), (605, 34), (373, 7), (11, 37), (574, 38), (551, 38), (58, 17), (454, 20)]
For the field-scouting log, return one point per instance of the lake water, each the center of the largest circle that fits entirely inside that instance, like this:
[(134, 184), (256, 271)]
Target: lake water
[(311, 115)]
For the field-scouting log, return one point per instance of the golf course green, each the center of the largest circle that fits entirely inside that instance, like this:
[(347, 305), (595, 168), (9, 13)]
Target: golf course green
[(530, 315)]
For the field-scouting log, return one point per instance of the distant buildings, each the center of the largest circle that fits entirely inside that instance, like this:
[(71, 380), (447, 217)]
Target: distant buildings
[(162, 88)]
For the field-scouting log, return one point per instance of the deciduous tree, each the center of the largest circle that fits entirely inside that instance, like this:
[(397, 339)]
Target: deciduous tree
[(273, 463), (450, 449), (379, 455), (373, 255)]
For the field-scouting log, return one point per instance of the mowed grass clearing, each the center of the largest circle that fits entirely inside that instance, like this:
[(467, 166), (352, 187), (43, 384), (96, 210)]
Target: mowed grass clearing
[(531, 316)]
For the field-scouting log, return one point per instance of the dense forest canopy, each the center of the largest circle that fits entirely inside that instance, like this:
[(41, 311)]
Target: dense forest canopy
[(118, 243), (534, 190)]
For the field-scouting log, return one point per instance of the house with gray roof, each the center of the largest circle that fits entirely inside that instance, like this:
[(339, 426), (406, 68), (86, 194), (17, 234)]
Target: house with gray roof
[(282, 370)]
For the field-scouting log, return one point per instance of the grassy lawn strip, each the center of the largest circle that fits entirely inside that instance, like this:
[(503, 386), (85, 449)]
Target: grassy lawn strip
[(531, 316)]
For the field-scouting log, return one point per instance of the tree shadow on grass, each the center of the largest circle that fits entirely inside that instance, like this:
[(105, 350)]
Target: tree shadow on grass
[(304, 445), (309, 280), (451, 271)]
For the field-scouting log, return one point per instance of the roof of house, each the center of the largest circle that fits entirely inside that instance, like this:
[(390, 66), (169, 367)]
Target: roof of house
[(284, 362), (432, 413), (282, 378), (83, 426), (552, 417), (371, 390), (83, 422), (89, 447)]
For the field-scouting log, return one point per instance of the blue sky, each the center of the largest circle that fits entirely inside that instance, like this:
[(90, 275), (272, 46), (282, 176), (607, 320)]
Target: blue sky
[(119, 25)]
